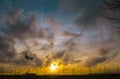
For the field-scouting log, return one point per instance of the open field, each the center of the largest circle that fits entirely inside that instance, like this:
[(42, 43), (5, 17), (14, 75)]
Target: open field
[(33, 76)]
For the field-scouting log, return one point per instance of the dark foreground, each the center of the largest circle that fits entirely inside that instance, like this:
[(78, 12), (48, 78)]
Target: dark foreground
[(32, 76)]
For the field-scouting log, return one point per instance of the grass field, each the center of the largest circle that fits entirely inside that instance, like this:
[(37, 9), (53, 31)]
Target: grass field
[(33, 76)]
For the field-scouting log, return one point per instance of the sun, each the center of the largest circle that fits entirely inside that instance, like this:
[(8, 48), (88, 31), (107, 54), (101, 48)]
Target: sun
[(53, 66)]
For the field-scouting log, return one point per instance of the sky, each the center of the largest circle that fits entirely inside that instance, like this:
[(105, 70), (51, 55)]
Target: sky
[(71, 32)]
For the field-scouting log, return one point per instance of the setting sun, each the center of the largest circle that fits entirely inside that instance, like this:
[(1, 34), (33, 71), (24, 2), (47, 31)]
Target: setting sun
[(53, 66)]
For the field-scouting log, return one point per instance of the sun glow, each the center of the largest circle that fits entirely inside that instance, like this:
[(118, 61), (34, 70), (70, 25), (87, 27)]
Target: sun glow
[(53, 66)]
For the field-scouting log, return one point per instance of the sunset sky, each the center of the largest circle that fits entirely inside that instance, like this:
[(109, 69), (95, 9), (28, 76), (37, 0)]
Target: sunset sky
[(35, 33)]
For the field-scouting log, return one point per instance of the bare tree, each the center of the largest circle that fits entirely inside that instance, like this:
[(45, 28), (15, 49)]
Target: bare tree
[(112, 13)]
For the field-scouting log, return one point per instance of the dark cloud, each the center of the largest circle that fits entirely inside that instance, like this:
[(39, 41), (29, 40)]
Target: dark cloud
[(104, 55), (20, 61), (105, 50), (70, 45), (71, 5), (15, 26), (38, 62), (55, 24), (46, 47), (88, 18), (23, 61), (76, 61), (48, 60), (18, 26), (67, 59), (78, 5), (7, 51), (63, 58), (113, 55), (88, 11), (59, 55), (70, 34), (53, 57), (93, 61), (13, 16), (84, 14), (46, 33)]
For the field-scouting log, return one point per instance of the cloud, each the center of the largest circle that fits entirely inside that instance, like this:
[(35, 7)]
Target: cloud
[(71, 5), (13, 16), (7, 51), (104, 55), (67, 59), (55, 24), (70, 45), (21, 60), (22, 26), (105, 50), (72, 40), (61, 57), (70, 34), (88, 18), (46, 33), (48, 60), (93, 61), (9, 55), (86, 14), (77, 61), (58, 55), (17, 26), (88, 11)]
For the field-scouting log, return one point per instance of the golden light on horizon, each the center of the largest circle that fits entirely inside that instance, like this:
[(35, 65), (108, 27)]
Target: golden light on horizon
[(54, 66)]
